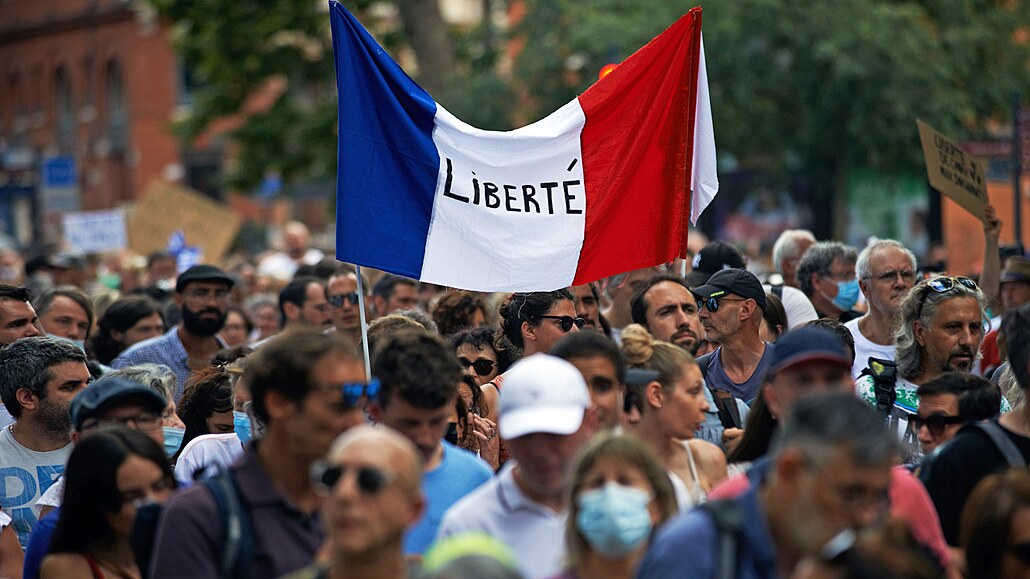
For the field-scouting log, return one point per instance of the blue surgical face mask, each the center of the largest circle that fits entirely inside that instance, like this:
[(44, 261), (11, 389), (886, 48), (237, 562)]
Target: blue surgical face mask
[(242, 423), (173, 439), (614, 519), (847, 294)]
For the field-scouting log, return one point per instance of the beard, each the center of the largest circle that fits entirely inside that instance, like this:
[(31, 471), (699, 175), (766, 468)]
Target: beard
[(54, 417), (200, 326), (950, 366)]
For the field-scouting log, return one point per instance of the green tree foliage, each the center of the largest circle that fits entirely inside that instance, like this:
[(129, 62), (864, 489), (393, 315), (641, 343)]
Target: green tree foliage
[(829, 85), (810, 84)]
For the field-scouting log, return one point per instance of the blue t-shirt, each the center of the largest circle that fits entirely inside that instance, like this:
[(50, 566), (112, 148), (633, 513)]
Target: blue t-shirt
[(747, 391), (39, 544), (459, 473)]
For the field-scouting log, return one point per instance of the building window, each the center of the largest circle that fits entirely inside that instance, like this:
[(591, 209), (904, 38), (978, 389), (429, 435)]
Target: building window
[(117, 110), (65, 114)]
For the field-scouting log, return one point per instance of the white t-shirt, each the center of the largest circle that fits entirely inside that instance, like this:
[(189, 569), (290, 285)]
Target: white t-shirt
[(798, 307), (864, 349), (26, 475), (281, 266), (215, 452)]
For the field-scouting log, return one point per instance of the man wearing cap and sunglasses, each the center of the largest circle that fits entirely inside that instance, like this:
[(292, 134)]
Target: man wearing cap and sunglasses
[(307, 388), (730, 305), (940, 327)]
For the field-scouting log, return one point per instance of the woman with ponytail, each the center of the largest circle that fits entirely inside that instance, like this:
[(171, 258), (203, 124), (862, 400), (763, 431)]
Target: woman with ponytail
[(674, 406)]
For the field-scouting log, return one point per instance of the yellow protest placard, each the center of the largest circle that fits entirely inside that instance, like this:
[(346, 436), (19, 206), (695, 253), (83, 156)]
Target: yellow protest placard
[(954, 172), (165, 207)]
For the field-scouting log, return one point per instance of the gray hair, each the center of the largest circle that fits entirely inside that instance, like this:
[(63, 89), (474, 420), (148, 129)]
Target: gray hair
[(786, 246), (819, 258), (157, 377), (862, 265), (820, 423), (923, 302), (420, 317), (27, 363)]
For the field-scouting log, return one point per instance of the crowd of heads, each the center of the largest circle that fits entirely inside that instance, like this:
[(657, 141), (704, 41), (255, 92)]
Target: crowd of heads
[(621, 405)]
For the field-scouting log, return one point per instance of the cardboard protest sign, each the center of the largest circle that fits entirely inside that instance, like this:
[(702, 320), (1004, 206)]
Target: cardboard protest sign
[(167, 207), (95, 231), (954, 172)]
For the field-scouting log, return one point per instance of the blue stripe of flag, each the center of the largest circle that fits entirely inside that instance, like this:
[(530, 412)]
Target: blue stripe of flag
[(388, 164)]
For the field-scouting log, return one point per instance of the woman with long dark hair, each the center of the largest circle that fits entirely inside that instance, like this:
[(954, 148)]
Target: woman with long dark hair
[(207, 404), (110, 475), (125, 322)]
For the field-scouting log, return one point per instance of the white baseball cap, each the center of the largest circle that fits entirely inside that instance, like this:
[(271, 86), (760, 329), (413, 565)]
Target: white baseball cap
[(542, 393)]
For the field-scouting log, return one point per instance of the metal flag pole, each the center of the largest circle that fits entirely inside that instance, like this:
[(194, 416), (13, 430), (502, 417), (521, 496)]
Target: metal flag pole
[(364, 326)]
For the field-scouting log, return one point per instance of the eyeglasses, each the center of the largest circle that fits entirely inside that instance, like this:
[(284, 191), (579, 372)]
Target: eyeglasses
[(935, 423), (336, 300), (712, 302), (1022, 552), (482, 366), (352, 393), (944, 284), (889, 276), (565, 322), (141, 421), (370, 480)]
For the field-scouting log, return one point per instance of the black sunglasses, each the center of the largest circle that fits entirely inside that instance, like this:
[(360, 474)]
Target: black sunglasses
[(935, 423), (566, 322), (352, 393), (712, 301), (483, 367), (324, 477), (1022, 552), (944, 284), (336, 300)]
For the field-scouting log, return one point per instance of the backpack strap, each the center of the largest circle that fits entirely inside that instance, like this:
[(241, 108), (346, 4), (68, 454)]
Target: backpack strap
[(885, 378), (703, 362), (1008, 449), (729, 522), (238, 541), (777, 290)]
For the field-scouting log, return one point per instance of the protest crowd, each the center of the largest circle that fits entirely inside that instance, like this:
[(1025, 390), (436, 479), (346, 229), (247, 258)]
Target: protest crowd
[(848, 414)]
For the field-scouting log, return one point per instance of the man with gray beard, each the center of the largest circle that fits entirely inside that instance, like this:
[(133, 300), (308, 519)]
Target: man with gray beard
[(39, 376)]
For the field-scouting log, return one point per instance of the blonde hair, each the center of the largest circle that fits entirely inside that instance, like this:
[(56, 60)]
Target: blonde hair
[(643, 351)]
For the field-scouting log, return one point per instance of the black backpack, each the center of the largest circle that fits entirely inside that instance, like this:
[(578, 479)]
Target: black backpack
[(885, 379), (725, 402)]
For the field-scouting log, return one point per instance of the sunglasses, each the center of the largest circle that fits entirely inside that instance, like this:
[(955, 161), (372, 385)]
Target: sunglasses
[(712, 302), (371, 481), (1022, 552), (483, 367), (352, 393), (944, 284), (565, 322), (336, 300), (935, 423)]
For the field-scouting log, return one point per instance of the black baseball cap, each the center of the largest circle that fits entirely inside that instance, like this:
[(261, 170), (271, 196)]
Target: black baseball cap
[(714, 257), (736, 281), (202, 273)]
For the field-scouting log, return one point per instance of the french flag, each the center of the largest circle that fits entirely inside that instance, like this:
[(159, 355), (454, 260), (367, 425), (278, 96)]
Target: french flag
[(599, 187)]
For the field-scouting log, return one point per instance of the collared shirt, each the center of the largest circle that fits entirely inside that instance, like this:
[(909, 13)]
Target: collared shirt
[(167, 350), (189, 538), (535, 532), (688, 545)]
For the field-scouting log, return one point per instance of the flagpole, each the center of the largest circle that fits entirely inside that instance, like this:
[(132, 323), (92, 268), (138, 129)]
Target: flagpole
[(364, 326)]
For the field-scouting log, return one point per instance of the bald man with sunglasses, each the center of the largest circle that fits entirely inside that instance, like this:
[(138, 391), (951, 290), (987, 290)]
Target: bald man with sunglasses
[(372, 484)]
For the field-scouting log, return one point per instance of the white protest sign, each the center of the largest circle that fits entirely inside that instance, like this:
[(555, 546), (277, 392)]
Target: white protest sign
[(96, 231)]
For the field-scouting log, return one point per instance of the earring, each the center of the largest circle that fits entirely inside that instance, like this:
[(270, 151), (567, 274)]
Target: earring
[(659, 407)]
